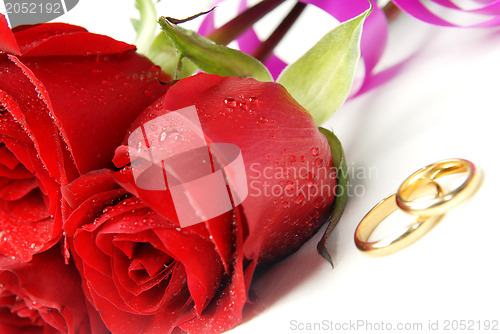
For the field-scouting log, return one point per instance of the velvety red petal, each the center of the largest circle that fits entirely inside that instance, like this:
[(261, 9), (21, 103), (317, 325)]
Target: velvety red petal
[(16, 189), (28, 36), (18, 173), (203, 276), (107, 85), (90, 184), (225, 311), (90, 209), (48, 283), (119, 322), (27, 226), (295, 156), (33, 112), (161, 201), (221, 233), (77, 44), (7, 159), (8, 42)]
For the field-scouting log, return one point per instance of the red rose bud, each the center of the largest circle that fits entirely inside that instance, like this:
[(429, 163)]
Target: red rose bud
[(150, 262), (67, 97), (43, 296)]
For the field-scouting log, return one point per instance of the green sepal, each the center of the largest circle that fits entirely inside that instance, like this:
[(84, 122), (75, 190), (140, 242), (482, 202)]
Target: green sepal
[(213, 58), (163, 53), (321, 79), (341, 192)]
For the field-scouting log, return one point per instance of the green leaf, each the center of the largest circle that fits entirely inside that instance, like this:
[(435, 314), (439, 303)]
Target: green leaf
[(339, 162), (321, 79), (145, 27), (213, 58)]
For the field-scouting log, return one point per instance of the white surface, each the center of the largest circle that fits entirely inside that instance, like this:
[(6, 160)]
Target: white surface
[(444, 104)]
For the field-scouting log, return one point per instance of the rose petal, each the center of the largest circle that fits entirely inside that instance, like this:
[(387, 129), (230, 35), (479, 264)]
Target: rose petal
[(77, 44), (29, 36), (16, 189), (33, 112), (107, 86), (225, 311), (47, 283), (8, 42), (295, 137)]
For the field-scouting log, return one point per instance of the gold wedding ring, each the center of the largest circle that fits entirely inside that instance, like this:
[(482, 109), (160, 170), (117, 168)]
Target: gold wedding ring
[(421, 196), (404, 238), (442, 203)]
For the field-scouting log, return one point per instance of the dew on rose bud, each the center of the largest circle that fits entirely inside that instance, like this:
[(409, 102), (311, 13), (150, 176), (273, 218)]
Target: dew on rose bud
[(230, 102), (315, 151), (318, 162), (147, 92), (300, 198), (320, 202), (310, 179), (105, 83), (163, 136), (243, 106)]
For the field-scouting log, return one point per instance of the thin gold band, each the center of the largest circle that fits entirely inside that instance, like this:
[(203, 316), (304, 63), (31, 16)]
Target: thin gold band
[(421, 196), (446, 201), (396, 241)]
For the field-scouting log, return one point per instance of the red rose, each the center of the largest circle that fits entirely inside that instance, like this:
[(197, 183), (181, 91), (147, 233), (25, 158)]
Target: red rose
[(42, 296), (146, 274), (67, 97)]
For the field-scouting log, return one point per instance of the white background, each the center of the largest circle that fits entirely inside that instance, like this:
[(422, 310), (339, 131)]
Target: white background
[(445, 103)]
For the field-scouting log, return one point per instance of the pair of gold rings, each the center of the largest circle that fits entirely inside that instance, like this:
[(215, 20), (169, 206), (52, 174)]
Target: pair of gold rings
[(419, 195)]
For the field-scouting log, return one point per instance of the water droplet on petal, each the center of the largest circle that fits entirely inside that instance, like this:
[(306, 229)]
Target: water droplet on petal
[(310, 179), (320, 202), (289, 186), (243, 106), (300, 198), (230, 102), (315, 151), (318, 162), (163, 136)]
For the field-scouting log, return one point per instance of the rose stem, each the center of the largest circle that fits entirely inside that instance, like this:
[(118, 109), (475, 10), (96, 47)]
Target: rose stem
[(263, 52), (241, 23)]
